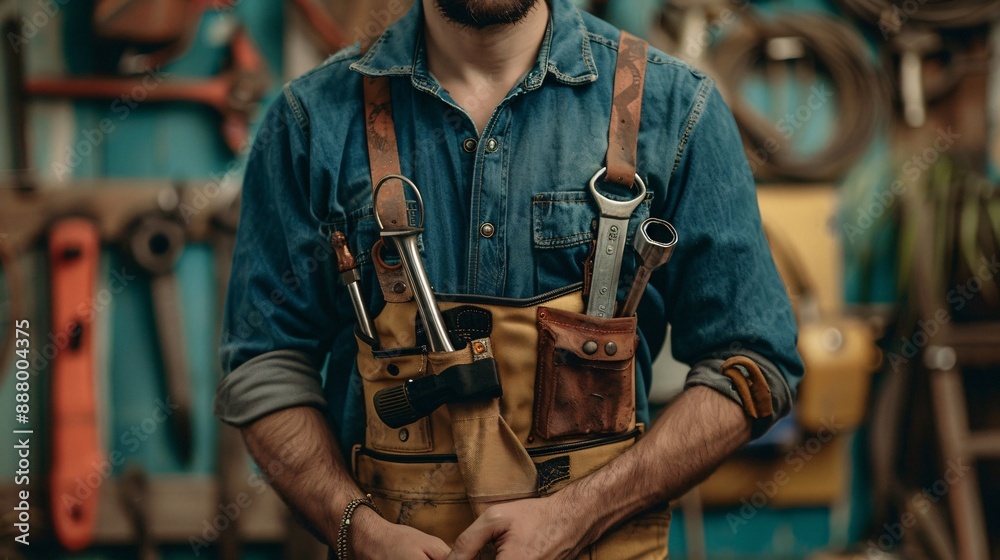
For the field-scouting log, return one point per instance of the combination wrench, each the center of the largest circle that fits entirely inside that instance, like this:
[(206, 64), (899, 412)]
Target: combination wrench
[(654, 242), (611, 232)]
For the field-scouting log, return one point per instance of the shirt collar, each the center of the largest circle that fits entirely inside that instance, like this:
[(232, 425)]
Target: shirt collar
[(565, 51)]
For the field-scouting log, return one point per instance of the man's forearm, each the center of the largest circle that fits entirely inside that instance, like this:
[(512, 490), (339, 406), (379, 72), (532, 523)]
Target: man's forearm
[(682, 447), (298, 453)]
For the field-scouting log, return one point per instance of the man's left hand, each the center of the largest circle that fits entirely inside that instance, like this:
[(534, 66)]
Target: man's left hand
[(531, 529)]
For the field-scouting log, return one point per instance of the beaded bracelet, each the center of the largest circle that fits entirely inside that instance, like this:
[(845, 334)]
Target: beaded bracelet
[(345, 522)]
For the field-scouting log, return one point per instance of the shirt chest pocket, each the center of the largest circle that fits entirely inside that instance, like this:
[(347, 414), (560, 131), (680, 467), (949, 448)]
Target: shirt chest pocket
[(564, 224)]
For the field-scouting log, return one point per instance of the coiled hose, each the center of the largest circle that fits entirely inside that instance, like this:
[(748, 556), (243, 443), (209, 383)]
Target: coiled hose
[(936, 13), (861, 93)]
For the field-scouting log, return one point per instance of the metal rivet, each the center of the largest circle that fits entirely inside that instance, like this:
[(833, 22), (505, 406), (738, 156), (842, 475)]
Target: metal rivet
[(492, 145), (470, 144), (478, 347), (404, 434), (589, 347), (393, 369), (399, 287), (487, 230), (611, 349)]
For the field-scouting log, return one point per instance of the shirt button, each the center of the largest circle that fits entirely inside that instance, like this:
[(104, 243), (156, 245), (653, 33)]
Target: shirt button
[(469, 145), (492, 145), (487, 230)]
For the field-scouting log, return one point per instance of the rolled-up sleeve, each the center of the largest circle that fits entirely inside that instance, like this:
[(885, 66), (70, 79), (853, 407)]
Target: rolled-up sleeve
[(279, 312), (724, 295)]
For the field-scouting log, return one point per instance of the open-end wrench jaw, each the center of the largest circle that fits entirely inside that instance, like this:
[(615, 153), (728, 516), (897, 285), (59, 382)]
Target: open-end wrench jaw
[(612, 229)]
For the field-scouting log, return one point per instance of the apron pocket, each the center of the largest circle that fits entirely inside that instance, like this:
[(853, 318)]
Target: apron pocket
[(586, 374)]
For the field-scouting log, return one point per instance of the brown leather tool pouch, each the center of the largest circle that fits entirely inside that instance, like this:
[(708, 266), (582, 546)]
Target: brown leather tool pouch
[(586, 374)]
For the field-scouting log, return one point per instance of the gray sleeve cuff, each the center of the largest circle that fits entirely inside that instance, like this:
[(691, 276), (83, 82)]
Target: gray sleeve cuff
[(708, 373), (268, 383)]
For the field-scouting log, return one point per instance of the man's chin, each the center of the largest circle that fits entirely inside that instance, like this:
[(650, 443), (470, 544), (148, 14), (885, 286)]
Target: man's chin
[(479, 14)]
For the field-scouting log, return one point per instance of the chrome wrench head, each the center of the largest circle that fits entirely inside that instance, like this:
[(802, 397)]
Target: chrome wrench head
[(611, 208), (655, 242), (611, 232)]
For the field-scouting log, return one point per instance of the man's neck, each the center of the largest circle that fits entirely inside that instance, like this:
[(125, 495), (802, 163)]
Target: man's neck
[(479, 66)]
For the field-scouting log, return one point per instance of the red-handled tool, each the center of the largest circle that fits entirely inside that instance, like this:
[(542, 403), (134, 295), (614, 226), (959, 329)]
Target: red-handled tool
[(74, 253)]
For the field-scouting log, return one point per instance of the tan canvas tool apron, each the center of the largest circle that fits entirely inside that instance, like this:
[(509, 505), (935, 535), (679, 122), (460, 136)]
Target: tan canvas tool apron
[(565, 411)]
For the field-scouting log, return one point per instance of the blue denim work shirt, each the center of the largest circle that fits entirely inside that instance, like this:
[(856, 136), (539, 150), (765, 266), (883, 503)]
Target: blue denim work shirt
[(288, 316)]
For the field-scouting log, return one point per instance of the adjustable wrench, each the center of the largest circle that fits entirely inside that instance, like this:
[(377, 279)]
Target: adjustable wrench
[(654, 242), (155, 244), (405, 238), (235, 93), (611, 231)]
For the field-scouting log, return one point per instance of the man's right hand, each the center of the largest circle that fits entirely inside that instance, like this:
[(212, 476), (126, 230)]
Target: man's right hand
[(373, 538)]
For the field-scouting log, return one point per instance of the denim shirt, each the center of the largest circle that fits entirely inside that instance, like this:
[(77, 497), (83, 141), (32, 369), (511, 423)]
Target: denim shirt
[(288, 316)]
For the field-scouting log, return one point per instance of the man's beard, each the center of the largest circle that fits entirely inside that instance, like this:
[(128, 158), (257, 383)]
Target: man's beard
[(484, 13)]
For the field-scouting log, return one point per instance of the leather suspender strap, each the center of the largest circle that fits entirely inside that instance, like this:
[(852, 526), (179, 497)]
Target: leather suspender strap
[(382, 151), (626, 108), (383, 160)]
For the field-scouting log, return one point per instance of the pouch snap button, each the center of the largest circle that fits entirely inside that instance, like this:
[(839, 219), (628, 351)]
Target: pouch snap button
[(487, 230), (590, 347), (393, 369), (404, 434), (611, 348), (470, 145), (492, 145)]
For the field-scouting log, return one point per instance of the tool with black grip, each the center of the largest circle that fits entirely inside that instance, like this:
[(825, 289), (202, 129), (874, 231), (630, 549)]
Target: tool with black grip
[(416, 398), (654, 242)]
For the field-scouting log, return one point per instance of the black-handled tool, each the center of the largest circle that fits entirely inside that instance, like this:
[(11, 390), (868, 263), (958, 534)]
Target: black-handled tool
[(416, 398), (654, 241)]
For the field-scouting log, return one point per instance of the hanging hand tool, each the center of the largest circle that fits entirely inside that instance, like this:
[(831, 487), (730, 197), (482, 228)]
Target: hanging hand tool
[(350, 273), (611, 232), (74, 253), (133, 493), (235, 93), (155, 244), (168, 26), (405, 238), (654, 242)]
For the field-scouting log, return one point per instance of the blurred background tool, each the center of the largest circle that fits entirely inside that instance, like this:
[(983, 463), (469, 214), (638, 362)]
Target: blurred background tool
[(73, 258)]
